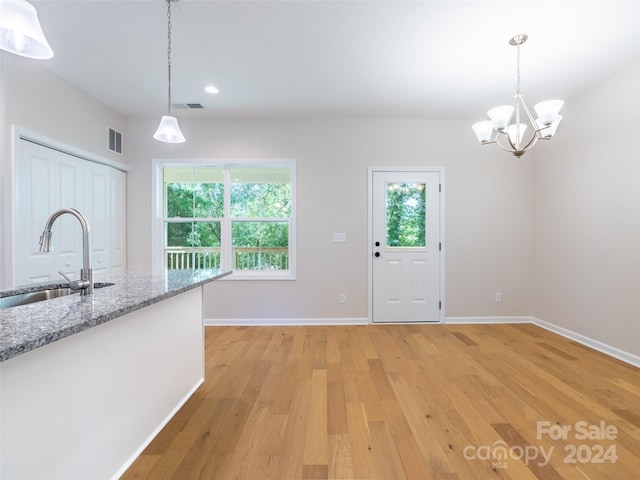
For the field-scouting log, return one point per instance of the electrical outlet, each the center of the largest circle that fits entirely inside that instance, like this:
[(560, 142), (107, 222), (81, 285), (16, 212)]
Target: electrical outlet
[(498, 297), (342, 298)]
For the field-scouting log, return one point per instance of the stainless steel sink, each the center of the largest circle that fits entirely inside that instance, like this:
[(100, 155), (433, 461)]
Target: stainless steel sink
[(33, 297)]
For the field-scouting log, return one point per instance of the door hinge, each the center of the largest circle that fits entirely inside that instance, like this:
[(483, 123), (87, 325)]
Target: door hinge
[(440, 305), (440, 187), (440, 246)]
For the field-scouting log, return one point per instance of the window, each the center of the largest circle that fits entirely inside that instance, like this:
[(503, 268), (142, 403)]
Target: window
[(406, 209), (237, 216)]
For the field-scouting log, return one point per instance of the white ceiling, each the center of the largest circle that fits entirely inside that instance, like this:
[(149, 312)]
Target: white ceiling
[(446, 59)]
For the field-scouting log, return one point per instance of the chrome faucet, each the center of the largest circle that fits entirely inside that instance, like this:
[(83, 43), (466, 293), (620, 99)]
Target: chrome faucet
[(85, 284)]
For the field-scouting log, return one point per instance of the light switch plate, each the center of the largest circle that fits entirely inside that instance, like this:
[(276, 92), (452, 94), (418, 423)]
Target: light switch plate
[(340, 237)]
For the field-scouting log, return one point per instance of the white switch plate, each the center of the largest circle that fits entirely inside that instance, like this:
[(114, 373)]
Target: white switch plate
[(340, 237)]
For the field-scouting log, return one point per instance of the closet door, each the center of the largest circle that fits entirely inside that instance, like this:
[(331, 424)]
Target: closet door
[(45, 180), (118, 217), (67, 233), (96, 210)]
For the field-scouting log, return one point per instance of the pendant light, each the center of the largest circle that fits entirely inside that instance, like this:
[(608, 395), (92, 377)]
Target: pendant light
[(169, 131), (20, 30)]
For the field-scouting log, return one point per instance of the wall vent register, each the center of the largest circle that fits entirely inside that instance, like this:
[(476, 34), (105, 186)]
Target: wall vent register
[(115, 141)]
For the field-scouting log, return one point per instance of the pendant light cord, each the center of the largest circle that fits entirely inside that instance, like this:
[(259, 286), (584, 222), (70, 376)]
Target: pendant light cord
[(169, 53), (518, 57)]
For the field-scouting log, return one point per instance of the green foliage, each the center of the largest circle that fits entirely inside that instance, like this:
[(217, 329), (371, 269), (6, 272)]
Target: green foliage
[(260, 200), (406, 220), (248, 200)]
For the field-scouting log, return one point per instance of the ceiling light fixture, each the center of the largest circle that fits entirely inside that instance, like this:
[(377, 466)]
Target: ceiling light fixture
[(169, 131), (211, 89), (510, 122), (20, 30)]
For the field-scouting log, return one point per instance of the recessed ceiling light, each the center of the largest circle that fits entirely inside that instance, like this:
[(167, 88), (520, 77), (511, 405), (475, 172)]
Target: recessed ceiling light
[(211, 89)]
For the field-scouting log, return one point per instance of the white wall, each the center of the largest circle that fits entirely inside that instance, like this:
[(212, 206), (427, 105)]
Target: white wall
[(488, 210), (39, 101), (586, 216)]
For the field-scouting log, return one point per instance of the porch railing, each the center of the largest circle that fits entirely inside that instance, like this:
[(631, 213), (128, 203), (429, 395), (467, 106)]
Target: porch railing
[(244, 258)]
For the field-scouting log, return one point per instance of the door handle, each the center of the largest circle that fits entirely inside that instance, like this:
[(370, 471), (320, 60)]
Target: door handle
[(377, 254)]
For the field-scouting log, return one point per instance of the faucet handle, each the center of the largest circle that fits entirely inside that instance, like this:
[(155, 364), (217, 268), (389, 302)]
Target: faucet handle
[(65, 277), (75, 284)]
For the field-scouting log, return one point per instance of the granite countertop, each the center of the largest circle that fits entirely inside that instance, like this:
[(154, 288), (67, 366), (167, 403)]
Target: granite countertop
[(31, 326)]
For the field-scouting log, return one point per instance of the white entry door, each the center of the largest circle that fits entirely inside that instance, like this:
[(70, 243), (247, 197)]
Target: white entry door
[(406, 246)]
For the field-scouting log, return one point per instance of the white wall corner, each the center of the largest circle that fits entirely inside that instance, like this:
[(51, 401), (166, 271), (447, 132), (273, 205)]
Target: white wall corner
[(589, 342)]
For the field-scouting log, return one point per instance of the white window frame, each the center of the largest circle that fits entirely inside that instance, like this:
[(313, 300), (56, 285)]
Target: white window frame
[(157, 216)]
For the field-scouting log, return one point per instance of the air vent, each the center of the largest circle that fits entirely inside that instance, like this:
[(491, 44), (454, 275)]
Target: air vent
[(187, 105), (115, 141)]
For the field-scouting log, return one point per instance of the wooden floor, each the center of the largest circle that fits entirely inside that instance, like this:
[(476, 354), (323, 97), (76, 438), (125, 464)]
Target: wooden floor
[(395, 402)]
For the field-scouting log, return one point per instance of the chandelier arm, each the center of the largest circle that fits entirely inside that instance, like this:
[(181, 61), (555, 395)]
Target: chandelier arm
[(532, 121), (510, 149)]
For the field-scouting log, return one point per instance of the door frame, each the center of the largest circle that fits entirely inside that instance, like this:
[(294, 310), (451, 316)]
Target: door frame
[(370, 171)]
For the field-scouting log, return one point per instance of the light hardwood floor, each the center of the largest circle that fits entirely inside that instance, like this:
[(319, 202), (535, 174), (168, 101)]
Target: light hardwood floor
[(395, 402)]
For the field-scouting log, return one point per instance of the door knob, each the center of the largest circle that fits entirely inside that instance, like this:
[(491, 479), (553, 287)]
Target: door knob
[(377, 254)]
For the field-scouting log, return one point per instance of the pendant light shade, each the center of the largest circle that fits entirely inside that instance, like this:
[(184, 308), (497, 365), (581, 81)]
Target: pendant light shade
[(168, 131), (20, 30)]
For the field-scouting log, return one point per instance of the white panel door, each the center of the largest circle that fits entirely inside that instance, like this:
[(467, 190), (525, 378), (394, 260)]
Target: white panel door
[(35, 200), (67, 233), (96, 210), (47, 179), (118, 218), (406, 246)]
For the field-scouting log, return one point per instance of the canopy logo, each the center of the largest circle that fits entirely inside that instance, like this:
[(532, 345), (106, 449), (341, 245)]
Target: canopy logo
[(500, 452)]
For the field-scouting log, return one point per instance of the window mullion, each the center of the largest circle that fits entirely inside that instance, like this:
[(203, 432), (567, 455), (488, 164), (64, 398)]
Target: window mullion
[(227, 244)]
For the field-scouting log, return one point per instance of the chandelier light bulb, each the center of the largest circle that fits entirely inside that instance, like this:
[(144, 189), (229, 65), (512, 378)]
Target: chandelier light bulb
[(20, 30)]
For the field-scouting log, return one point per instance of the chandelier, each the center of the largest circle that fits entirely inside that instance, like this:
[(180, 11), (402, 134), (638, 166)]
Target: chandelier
[(169, 131), (509, 123)]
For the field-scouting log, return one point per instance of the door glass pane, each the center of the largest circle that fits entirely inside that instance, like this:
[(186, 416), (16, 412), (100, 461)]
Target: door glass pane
[(406, 215)]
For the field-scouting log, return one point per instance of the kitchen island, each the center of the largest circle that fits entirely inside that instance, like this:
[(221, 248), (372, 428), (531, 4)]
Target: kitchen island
[(87, 381)]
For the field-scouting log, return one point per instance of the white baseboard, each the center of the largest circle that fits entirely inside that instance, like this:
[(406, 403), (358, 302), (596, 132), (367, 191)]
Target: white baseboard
[(262, 322), (589, 342), (488, 320)]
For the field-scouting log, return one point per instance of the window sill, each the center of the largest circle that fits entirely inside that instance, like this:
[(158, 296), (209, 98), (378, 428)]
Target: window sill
[(260, 276)]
